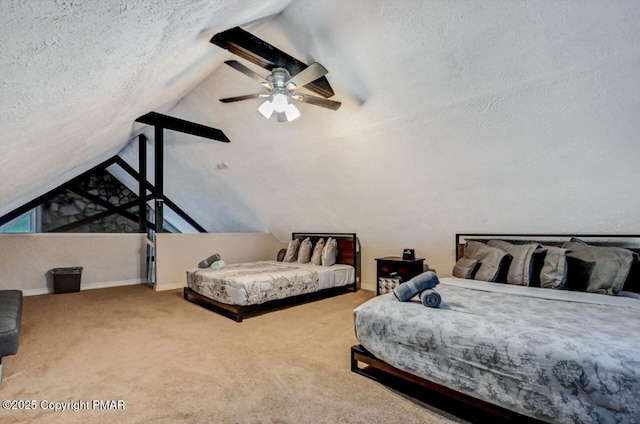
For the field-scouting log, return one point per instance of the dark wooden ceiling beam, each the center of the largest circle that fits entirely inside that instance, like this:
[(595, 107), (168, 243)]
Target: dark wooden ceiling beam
[(160, 123), (177, 124), (263, 54), (142, 179)]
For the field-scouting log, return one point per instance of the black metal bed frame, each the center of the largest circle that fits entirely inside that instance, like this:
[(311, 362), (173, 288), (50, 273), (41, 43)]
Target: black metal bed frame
[(239, 312), (480, 410)]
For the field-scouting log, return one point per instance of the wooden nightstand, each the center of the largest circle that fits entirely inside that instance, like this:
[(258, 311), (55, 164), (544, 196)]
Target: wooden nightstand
[(391, 269)]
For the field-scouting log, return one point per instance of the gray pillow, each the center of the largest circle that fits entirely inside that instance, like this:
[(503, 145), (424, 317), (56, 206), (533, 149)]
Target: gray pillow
[(281, 254), (465, 268), (330, 252), (553, 274), (491, 259), (304, 253), (578, 274), (292, 251), (206, 263), (520, 269), (316, 258), (612, 265)]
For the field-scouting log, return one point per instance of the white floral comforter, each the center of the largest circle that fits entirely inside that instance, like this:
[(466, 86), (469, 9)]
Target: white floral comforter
[(253, 283), (555, 360)]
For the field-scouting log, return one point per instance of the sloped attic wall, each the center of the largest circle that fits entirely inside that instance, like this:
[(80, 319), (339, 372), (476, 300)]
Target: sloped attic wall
[(457, 116), (76, 74)]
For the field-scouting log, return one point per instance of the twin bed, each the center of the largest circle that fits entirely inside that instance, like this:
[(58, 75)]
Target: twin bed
[(238, 290), (517, 351)]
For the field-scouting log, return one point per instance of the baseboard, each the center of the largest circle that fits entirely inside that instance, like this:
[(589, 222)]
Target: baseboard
[(88, 286), (169, 286)]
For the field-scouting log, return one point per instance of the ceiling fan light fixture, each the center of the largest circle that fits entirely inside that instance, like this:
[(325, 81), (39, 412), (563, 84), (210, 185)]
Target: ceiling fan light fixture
[(279, 102), (266, 109), (292, 112)]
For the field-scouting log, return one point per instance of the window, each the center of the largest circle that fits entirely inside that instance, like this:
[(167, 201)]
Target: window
[(27, 223)]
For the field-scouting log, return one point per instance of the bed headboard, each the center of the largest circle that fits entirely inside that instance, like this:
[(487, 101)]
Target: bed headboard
[(628, 241), (348, 248)]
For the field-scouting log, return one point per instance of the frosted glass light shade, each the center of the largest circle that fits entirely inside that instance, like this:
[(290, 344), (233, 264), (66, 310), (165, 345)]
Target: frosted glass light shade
[(266, 109), (291, 112), (279, 102)]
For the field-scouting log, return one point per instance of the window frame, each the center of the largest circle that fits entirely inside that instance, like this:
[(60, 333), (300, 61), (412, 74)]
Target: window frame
[(34, 222)]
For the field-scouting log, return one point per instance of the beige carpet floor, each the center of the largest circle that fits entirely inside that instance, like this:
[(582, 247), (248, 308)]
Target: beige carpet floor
[(171, 361)]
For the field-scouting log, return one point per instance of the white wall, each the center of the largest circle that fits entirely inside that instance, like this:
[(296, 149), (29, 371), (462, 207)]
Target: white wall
[(176, 253), (118, 259), (107, 259)]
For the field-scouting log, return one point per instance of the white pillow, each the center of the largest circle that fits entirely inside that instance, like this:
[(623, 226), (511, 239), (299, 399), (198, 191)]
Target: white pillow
[(330, 252), (304, 253), (292, 251), (316, 258)]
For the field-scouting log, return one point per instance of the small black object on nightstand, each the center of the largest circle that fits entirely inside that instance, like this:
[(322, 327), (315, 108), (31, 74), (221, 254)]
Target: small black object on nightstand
[(408, 255)]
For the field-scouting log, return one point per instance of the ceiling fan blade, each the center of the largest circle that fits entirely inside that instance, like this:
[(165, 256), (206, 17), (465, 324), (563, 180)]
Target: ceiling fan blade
[(310, 74), (248, 72), (239, 98), (263, 54), (317, 101)]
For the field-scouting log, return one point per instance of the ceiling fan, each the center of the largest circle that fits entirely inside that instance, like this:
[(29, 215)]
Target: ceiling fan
[(282, 88), (281, 85)]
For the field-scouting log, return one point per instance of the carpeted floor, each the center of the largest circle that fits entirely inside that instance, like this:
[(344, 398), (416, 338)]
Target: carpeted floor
[(171, 361)]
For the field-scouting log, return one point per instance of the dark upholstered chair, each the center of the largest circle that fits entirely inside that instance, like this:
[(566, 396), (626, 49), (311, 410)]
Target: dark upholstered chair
[(10, 317)]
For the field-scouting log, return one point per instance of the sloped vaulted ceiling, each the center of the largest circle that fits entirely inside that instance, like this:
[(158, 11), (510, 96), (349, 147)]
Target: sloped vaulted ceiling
[(77, 73), (457, 116)]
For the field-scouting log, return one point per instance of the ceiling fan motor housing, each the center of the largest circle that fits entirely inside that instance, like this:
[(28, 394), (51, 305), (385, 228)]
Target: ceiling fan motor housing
[(279, 78), (281, 90)]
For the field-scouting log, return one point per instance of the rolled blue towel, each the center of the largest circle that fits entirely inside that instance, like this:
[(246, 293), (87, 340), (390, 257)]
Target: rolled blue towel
[(419, 283), (431, 298), (217, 264)]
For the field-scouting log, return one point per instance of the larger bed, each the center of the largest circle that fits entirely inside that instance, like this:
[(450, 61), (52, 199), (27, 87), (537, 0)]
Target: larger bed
[(238, 289), (557, 356)]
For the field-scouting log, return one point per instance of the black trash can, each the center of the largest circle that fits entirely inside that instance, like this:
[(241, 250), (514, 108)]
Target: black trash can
[(66, 280)]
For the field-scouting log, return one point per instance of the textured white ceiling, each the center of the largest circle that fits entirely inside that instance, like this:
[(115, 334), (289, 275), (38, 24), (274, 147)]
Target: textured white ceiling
[(76, 73), (457, 116)]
